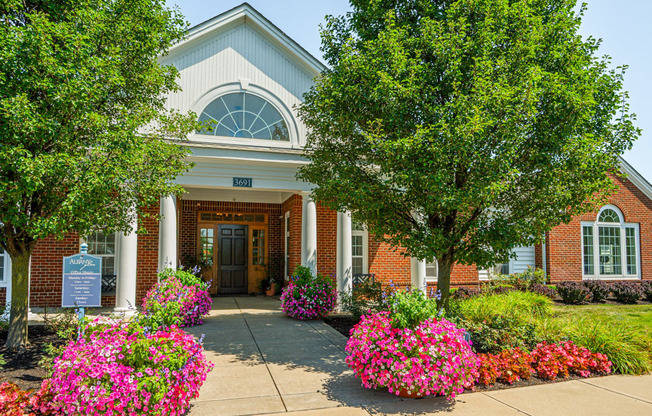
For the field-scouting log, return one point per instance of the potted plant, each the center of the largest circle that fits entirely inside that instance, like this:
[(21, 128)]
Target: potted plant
[(268, 285)]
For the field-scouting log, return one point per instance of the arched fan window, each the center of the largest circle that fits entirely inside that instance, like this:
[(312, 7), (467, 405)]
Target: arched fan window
[(610, 246), (245, 115)]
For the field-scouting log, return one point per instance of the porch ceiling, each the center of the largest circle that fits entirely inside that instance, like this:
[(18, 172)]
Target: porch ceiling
[(236, 195)]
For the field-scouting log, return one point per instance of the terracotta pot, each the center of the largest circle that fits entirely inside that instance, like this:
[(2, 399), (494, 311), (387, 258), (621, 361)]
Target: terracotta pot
[(413, 395), (272, 290)]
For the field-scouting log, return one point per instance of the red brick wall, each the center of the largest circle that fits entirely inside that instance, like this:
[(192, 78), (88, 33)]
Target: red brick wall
[(46, 269), (147, 255), (326, 241), (388, 264), (295, 206), (564, 248), (3, 295), (47, 263)]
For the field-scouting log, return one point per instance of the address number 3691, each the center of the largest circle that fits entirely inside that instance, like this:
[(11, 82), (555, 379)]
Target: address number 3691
[(242, 182)]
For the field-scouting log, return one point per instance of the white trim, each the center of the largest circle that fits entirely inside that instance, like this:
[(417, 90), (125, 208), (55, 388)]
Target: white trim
[(435, 264), (6, 277), (636, 178), (365, 248), (246, 14), (595, 225), (236, 87), (613, 208)]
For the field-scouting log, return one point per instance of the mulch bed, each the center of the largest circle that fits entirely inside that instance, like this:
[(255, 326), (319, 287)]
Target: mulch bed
[(22, 368)]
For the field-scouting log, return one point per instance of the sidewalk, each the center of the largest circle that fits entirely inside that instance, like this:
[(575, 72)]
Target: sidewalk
[(266, 363)]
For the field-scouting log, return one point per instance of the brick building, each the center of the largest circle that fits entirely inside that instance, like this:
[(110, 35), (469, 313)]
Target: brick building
[(245, 216)]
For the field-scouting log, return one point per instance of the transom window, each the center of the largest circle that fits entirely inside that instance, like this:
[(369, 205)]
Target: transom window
[(610, 246), (243, 115)]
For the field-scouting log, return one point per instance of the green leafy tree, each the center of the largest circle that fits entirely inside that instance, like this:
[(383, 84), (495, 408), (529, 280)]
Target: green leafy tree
[(84, 132), (462, 129)]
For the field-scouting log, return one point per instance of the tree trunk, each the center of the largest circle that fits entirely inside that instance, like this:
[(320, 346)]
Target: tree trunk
[(444, 283), (17, 337)]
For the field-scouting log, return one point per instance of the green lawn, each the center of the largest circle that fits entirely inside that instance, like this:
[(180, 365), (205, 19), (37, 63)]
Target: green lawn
[(638, 316)]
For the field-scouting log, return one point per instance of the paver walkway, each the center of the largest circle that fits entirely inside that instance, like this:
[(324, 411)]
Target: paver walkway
[(266, 363)]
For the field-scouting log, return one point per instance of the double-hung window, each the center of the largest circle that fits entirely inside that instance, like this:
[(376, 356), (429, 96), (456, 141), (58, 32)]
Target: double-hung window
[(359, 250), (104, 245), (610, 247), (432, 271)]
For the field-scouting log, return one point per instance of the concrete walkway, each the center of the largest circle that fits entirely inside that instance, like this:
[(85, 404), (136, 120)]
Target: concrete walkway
[(266, 363)]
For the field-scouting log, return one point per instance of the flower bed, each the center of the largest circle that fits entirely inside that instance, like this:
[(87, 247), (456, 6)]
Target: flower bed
[(431, 359), (179, 298), (547, 361), (121, 368), (308, 297)]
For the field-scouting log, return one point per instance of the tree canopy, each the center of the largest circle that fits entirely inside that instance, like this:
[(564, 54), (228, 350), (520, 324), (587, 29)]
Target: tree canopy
[(461, 129), (86, 141)]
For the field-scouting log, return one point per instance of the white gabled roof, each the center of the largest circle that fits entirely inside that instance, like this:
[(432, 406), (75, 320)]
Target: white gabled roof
[(245, 13), (636, 178)]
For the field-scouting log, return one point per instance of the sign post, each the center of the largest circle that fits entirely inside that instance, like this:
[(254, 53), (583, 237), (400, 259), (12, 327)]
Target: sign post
[(82, 281)]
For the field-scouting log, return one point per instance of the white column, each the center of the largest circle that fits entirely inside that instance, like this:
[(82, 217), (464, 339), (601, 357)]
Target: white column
[(344, 258), (309, 234), (418, 274), (125, 290), (167, 234)]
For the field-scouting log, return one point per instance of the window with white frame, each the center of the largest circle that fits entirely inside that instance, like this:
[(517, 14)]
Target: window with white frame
[(359, 251), (432, 271), (5, 267), (610, 246), (243, 115), (104, 245)]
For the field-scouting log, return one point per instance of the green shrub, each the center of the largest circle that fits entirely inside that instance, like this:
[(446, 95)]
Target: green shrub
[(186, 277), (409, 308), (363, 299), (519, 281), (499, 334)]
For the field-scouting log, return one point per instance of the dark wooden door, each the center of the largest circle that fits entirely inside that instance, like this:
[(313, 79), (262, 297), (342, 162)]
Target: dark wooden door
[(232, 258)]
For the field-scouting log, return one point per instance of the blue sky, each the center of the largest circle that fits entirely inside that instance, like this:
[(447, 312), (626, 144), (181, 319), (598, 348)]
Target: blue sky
[(623, 26)]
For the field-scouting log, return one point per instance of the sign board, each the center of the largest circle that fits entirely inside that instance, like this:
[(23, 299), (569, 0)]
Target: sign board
[(82, 281), (242, 182)]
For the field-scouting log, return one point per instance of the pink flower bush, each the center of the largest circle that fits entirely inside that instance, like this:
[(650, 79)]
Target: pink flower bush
[(431, 359), (306, 297), (559, 360), (120, 368), (170, 302)]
